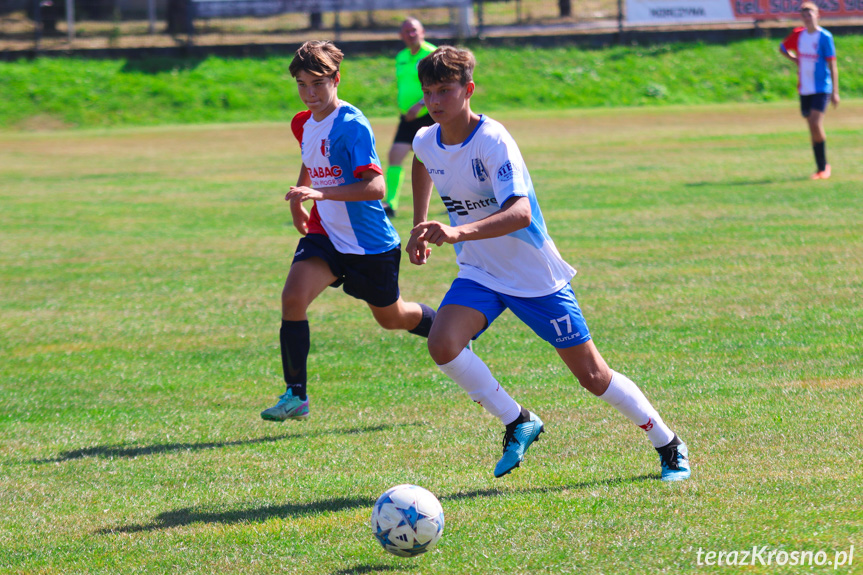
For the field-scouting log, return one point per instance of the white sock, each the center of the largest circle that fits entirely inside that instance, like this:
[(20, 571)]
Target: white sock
[(473, 376), (625, 396)]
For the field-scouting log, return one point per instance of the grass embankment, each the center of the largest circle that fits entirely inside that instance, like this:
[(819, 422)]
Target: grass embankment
[(91, 93)]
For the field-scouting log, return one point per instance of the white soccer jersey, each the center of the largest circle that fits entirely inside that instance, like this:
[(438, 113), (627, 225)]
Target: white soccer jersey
[(474, 179)]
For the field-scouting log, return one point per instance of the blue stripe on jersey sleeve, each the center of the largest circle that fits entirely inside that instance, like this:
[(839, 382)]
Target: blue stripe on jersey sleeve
[(535, 234)]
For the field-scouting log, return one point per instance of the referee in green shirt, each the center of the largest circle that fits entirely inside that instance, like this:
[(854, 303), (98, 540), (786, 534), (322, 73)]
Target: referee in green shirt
[(410, 101)]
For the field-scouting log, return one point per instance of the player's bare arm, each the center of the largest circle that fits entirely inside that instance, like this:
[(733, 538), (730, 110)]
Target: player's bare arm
[(834, 72), (414, 111), (371, 187), (789, 55), (513, 216), (418, 250), (299, 213)]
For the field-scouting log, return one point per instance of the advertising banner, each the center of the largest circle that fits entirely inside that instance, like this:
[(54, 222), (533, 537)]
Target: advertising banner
[(671, 12)]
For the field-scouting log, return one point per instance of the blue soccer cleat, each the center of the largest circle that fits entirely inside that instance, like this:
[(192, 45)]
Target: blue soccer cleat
[(516, 440), (675, 462), (288, 407)]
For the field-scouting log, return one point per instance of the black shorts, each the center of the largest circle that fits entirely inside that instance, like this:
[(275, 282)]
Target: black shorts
[(407, 130), (811, 102), (372, 278)]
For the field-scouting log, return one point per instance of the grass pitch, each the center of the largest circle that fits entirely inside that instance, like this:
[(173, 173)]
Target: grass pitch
[(139, 309)]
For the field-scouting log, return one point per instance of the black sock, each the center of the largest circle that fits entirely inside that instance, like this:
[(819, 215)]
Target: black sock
[(424, 326), (522, 417), (295, 342), (674, 441), (820, 150)]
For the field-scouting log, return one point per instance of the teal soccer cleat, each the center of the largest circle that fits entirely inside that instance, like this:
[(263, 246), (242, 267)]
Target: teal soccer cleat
[(516, 440), (675, 462), (288, 407)]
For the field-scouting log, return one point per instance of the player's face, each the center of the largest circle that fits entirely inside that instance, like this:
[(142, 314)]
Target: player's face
[(447, 100), (318, 93), (809, 16), (412, 34)]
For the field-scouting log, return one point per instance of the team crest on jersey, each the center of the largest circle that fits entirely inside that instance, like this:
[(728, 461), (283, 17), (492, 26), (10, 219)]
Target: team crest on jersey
[(479, 171), (325, 147), (506, 172)]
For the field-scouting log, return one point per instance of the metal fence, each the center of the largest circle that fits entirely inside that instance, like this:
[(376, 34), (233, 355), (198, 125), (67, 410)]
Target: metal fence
[(50, 25), (245, 26)]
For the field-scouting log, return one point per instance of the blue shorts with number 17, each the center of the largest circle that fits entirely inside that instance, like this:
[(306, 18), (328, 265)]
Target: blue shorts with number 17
[(556, 318)]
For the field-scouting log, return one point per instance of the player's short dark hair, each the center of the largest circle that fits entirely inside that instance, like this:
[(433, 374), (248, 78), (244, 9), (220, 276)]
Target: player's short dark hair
[(447, 64), (317, 58)]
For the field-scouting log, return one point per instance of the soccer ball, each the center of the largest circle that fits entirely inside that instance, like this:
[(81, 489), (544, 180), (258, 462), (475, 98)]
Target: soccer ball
[(407, 520)]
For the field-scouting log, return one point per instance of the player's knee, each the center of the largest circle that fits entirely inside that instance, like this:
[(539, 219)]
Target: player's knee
[(292, 302), (595, 380), (442, 350)]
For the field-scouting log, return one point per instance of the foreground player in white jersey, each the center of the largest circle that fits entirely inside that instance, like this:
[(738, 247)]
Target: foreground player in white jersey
[(506, 260), (348, 239)]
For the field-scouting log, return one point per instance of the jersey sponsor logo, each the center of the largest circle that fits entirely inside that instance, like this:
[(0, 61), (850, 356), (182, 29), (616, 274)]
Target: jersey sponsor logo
[(454, 206), (325, 147), (325, 172), (479, 171), (463, 207), (436, 171)]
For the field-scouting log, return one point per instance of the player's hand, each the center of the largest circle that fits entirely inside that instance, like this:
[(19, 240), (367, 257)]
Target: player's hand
[(301, 216), (436, 233), (303, 193), (418, 250), (414, 111), (301, 222), (834, 98)]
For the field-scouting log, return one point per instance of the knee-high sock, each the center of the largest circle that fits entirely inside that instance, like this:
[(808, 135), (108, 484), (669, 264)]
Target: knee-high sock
[(394, 177), (295, 341), (472, 374), (820, 151), (625, 396)]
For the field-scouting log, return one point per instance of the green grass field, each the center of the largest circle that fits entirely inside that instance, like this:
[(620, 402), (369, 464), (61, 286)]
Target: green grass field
[(139, 308)]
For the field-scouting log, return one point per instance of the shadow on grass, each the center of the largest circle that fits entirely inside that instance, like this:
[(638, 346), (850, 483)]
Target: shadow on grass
[(188, 516), (495, 492), (725, 183), (363, 569), (110, 451)]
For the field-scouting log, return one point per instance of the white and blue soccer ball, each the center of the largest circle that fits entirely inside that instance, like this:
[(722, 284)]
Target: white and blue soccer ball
[(407, 520)]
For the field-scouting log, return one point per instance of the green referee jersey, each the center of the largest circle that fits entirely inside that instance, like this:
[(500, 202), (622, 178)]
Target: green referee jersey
[(409, 89)]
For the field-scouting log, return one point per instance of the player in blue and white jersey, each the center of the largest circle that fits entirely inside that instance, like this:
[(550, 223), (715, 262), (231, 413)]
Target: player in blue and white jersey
[(506, 260), (347, 238), (811, 47)]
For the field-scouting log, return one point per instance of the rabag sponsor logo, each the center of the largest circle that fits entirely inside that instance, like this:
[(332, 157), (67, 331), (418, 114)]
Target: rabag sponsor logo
[(325, 172), (326, 176)]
